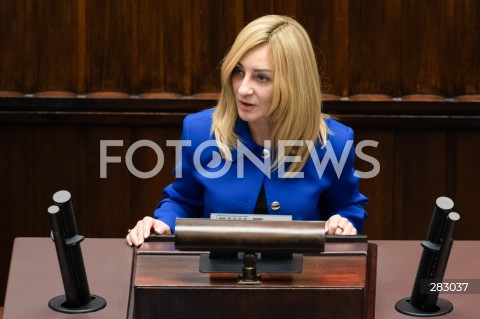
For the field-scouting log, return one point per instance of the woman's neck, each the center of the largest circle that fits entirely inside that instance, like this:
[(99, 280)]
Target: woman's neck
[(260, 132)]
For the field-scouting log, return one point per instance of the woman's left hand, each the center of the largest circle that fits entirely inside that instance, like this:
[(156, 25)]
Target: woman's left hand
[(338, 225)]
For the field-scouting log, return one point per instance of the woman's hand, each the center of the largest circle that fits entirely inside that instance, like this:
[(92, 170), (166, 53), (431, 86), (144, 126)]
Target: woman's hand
[(137, 235), (337, 225)]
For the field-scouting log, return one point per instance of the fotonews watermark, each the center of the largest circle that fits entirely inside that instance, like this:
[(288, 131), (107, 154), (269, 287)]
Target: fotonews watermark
[(217, 167)]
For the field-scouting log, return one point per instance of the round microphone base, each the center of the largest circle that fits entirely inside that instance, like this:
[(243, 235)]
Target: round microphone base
[(59, 304), (443, 307)]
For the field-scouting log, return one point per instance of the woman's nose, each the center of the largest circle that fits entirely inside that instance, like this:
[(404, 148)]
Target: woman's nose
[(245, 88)]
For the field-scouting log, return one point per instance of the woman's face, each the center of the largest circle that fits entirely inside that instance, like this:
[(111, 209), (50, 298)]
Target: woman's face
[(252, 82)]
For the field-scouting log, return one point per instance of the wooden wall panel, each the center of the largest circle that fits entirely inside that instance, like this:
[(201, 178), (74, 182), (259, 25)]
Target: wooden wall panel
[(213, 30), (419, 178), (329, 34), (424, 38), (16, 45), (17, 182), (55, 45), (106, 198), (437, 42), (111, 46), (260, 8), (58, 162), (146, 192), (464, 49), (465, 183), (397, 47), (164, 46), (39, 46), (380, 188), (374, 47)]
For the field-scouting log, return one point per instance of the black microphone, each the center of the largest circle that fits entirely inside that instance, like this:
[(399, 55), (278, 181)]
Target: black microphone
[(77, 298), (433, 263)]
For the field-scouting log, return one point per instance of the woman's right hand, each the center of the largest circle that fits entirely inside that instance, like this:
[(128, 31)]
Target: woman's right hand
[(142, 230)]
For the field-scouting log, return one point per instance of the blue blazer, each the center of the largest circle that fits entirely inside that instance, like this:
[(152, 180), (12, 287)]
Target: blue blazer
[(209, 184)]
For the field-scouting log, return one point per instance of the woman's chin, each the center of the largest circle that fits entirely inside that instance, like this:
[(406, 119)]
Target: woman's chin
[(244, 115)]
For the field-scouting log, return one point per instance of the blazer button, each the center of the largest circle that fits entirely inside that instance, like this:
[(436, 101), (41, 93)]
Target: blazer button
[(275, 205), (265, 153)]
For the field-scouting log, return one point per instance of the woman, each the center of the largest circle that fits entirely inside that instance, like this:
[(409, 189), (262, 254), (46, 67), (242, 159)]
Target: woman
[(266, 147)]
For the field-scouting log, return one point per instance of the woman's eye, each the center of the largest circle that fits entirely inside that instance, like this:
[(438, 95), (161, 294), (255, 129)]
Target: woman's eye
[(263, 78), (237, 71)]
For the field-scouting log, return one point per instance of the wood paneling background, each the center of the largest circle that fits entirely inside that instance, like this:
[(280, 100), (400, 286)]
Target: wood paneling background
[(397, 47), (368, 51)]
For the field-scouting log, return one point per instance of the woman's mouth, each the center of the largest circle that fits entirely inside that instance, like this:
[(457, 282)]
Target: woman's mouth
[(245, 106)]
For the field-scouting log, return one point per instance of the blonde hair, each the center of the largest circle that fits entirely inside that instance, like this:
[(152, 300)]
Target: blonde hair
[(295, 112)]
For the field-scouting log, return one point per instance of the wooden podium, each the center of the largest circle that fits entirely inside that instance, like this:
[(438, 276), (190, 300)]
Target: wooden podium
[(339, 283)]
